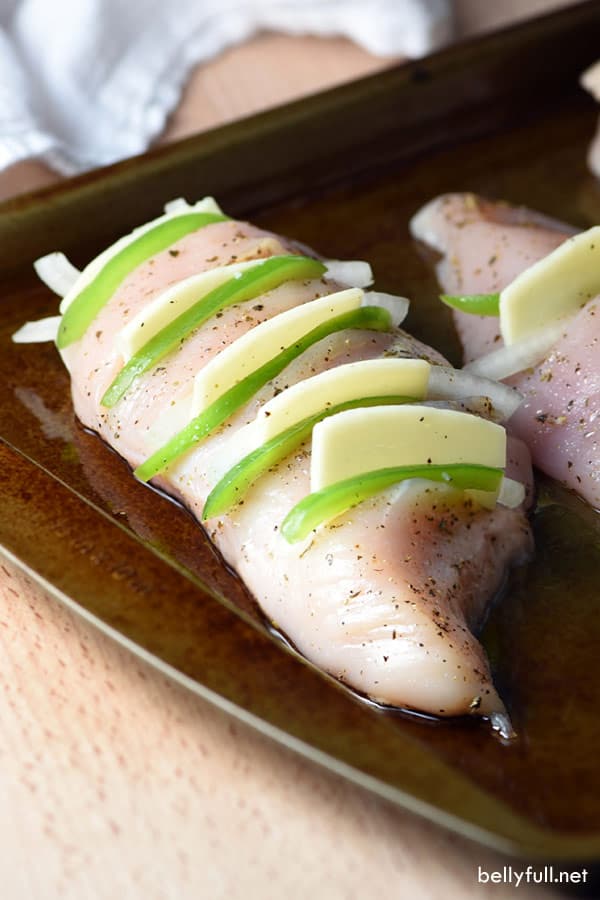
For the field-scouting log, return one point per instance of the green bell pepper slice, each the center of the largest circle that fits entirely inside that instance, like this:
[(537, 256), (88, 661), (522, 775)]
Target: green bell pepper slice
[(330, 502), (94, 296), (265, 276), (237, 481), (474, 304), (371, 318)]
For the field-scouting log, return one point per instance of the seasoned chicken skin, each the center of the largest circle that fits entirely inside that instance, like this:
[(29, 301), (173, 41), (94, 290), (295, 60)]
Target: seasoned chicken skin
[(384, 598)]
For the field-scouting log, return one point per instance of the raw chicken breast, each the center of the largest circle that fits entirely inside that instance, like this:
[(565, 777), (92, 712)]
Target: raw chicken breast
[(484, 246), (386, 596)]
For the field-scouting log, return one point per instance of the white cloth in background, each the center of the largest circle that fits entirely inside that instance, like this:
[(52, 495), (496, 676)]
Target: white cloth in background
[(86, 82)]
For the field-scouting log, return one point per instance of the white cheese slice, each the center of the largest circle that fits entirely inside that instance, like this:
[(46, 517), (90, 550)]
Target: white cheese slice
[(207, 205), (171, 303), (265, 341), (352, 381), (177, 299), (379, 437), (552, 288)]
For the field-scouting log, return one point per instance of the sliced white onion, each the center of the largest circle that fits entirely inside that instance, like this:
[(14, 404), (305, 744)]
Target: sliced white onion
[(512, 493), (56, 272), (353, 272), (37, 332), (521, 355), (396, 306), (457, 384), (180, 205)]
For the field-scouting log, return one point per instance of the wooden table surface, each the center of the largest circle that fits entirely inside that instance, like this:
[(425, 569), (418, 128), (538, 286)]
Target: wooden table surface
[(115, 782)]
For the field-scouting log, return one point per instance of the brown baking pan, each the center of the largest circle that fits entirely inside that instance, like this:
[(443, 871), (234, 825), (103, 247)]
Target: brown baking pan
[(342, 171)]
